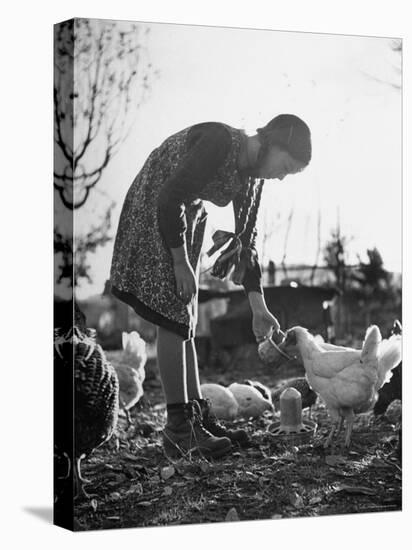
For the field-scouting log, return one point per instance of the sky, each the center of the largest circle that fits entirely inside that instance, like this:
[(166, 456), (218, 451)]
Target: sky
[(338, 84)]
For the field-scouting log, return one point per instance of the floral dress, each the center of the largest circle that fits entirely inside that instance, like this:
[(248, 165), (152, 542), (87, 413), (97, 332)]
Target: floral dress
[(163, 209)]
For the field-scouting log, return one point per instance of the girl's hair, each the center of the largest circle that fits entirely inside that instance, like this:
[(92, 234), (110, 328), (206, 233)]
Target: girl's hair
[(246, 213), (290, 134)]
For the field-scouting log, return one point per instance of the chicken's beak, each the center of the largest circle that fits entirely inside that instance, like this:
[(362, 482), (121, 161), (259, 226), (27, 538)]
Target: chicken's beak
[(290, 339)]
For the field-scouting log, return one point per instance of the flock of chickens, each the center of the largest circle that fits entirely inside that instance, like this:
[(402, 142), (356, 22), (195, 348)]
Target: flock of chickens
[(347, 380)]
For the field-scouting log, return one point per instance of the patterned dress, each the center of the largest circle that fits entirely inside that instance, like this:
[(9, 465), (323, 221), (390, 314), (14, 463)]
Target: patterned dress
[(142, 272)]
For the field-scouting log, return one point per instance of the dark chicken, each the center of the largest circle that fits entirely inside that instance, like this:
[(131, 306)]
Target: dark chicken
[(79, 359), (393, 389)]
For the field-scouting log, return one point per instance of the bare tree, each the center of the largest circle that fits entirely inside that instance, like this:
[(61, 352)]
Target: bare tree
[(101, 77), (318, 249), (396, 63), (84, 245), (334, 255), (286, 241), (270, 224)]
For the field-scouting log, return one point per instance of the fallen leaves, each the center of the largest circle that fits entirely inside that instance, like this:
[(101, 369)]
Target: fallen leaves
[(232, 515), (138, 486), (355, 490), (296, 500), (167, 472), (335, 460), (135, 489)]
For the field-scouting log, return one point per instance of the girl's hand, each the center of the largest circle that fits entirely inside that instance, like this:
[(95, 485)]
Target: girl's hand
[(185, 281), (264, 323)]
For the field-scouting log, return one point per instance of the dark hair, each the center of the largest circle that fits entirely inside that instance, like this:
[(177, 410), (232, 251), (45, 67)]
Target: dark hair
[(290, 133), (246, 212)]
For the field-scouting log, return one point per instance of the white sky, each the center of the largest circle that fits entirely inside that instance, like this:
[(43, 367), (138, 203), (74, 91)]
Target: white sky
[(244, 78)]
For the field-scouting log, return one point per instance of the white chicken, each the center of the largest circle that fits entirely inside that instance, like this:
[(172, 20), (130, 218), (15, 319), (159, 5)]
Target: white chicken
[(134, 349), (251, 401), (131, 372), (347, 380), (223, 403)]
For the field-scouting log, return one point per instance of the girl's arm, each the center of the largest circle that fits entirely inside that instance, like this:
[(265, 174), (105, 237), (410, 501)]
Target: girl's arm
[(257, 301)]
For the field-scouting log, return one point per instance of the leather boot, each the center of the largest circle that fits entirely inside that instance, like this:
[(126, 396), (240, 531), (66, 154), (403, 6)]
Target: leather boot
[(212, 424), (184, 433)]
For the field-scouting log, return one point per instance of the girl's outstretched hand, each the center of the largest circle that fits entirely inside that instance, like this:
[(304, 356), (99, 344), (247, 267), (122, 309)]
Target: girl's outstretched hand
[(264, 323), (185, 281)]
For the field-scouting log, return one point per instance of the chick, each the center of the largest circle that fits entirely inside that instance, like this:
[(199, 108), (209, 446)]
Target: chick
[(252, 403), (96, 395), (260, 388), (224, 405)]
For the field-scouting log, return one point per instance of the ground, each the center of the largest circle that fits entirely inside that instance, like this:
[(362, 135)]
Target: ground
[(133, 484)]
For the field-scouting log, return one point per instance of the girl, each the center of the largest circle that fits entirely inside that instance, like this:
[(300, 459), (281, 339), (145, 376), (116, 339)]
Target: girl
[(155, 267)]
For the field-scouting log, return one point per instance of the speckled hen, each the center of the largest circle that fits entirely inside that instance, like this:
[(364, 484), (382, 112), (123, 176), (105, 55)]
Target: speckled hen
[(96, 394)]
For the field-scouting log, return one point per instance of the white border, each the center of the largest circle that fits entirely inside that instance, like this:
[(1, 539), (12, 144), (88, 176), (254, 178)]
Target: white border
[(26, 369)]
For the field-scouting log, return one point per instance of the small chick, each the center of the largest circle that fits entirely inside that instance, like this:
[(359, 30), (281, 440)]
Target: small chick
[(260, 388), (224, 405), (250, 400)]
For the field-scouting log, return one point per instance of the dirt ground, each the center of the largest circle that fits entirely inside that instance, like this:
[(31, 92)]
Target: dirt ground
[(133, 484)]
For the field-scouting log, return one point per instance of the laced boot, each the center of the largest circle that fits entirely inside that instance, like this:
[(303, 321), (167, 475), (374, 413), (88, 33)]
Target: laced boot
[(184, 433), (212, 424)]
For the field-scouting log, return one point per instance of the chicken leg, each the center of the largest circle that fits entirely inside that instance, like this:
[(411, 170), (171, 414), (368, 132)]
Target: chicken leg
[(80, 481), (340, 425), (350, 419), (337, 421)]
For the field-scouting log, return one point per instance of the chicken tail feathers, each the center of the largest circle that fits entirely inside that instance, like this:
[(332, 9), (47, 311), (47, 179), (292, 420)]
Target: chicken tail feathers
[(371, 343), (389, 357)]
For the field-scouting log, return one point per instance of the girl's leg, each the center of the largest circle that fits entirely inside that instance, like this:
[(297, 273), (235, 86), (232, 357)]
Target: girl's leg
[(183, 432), (192, 370), (209, 420), (172, 365)]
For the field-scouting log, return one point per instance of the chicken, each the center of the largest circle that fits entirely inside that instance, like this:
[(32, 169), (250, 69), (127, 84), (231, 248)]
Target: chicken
[(131, 372), (347, 380), (309, 397), (96, 395), (130, 388), (250, 400), (134, 349), (393, 390), (224, 405), (260, 388)]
